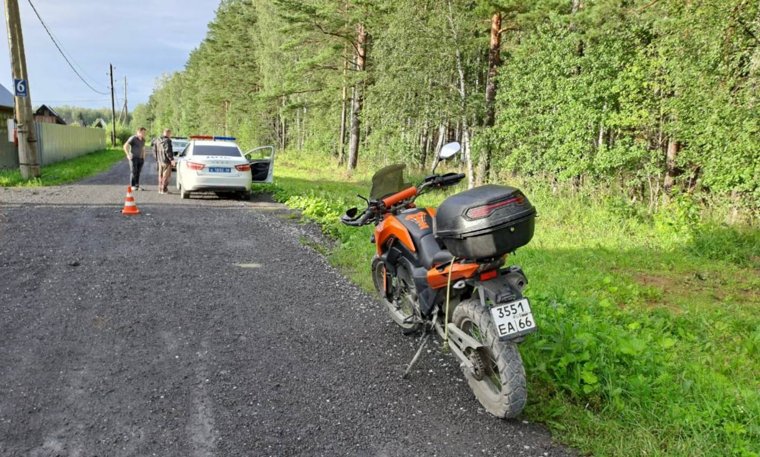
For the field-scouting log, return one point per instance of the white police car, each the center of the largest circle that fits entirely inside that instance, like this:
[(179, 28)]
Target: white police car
[(213, 164)]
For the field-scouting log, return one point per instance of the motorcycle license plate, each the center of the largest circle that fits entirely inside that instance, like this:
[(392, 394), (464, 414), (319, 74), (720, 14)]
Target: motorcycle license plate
[(513, 319)]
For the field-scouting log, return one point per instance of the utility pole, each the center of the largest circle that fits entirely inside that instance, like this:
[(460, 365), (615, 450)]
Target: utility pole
[(126, 107), (29, 164), (113, 110)]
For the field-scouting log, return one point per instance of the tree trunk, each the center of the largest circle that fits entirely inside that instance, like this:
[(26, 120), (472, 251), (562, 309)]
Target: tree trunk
[(303, 129), (356, 103), (463, 101), (733, 216), (424, 145), (283, 127), (438, 145), (343, 112), (355, 130), (468, 156), (693, 180), (600, 137), (580, 46), (671, 170), (298, 130), (494, 60), (226, 118)]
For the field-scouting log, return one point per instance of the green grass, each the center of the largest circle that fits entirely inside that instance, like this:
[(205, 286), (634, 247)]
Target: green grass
[(66, 171), (649, 340)]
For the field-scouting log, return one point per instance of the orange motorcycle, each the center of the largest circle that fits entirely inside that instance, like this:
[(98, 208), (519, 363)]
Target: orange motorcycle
[(446, 269)]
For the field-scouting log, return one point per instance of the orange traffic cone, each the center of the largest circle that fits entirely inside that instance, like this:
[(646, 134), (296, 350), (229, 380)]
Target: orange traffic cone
[(130, 208)]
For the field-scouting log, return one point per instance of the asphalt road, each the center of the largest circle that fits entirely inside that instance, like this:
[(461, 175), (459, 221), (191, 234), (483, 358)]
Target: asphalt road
[(207, 328)]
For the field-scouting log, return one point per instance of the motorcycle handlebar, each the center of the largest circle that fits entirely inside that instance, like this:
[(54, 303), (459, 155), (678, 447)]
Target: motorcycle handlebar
[(410, 192), (359, 221), (451, 178), (405, 194)]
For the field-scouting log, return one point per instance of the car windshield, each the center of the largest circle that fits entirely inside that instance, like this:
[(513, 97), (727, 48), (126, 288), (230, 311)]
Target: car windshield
[(216, 150), (179, 144), (387, 181)]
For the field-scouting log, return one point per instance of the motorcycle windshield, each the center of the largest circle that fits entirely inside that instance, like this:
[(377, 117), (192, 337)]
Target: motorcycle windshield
[(387, 181)]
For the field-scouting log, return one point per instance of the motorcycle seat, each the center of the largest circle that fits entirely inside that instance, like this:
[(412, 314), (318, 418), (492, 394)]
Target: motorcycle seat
[(431, 253), (443, 256)]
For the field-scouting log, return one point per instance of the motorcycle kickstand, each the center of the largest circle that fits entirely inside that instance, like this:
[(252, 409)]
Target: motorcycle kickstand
[(419, 351)]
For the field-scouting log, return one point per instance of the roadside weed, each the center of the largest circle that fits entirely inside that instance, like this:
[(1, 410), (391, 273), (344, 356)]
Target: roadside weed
[(65, 171)]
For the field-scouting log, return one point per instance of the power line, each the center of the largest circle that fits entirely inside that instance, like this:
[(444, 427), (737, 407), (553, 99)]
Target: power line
[(61, 50), (68, 54), (89, 100)]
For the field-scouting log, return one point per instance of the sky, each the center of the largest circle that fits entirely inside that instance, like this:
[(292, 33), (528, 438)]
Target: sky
[(143, 39)]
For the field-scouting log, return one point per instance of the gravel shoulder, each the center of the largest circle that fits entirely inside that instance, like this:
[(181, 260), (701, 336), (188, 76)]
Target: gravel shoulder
[(205, 327)]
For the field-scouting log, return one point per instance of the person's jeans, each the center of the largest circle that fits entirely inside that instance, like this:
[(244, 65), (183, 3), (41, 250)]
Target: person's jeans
[(135, 166)]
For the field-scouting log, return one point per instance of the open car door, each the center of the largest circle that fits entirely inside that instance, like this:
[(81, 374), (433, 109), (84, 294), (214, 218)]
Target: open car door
[(262, 164)]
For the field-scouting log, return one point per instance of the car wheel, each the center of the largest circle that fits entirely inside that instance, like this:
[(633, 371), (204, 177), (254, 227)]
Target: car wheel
[(245, 195), (183, 193)]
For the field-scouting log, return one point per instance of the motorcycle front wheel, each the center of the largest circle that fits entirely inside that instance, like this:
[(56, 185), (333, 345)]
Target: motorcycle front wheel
[(498, 380), (401, 308)]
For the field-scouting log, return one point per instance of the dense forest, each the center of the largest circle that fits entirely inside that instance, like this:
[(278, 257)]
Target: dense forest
[(654, 98), (86, 117)]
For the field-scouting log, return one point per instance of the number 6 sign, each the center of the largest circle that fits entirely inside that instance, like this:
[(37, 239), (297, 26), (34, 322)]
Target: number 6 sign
[(21, 89)]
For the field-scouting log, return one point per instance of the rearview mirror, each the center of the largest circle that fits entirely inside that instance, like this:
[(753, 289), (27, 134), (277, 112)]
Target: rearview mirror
[(449, 150)]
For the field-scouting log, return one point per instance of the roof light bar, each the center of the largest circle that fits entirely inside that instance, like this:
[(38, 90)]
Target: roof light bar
[(201, 137), (225, 138)]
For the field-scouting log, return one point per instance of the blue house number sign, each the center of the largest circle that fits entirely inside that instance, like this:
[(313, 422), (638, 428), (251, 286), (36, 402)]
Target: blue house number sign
[(21, 89)]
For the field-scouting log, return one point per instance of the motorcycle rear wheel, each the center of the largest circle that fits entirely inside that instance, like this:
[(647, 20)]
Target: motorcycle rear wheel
[(501, 388), (401, 309)]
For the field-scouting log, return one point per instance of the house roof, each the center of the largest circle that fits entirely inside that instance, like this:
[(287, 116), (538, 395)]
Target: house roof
[(6, 98), (41, 111)]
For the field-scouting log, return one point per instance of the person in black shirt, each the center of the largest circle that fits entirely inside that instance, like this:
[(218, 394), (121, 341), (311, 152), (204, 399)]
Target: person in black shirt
[(134, 148)]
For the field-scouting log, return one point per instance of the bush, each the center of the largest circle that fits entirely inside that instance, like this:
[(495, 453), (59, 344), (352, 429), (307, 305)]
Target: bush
[(722, 242), (123, 132)]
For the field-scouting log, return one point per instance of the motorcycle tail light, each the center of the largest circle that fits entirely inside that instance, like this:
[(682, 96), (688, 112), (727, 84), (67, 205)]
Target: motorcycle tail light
[(244, 167), (488, 275), (195, 166), (479, 212)]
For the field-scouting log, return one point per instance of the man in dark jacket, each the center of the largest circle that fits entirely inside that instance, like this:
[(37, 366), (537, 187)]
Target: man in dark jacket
[(165, 159)]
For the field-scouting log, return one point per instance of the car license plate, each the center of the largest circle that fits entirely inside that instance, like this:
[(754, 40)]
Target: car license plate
[(513, 319), (219, 170)]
